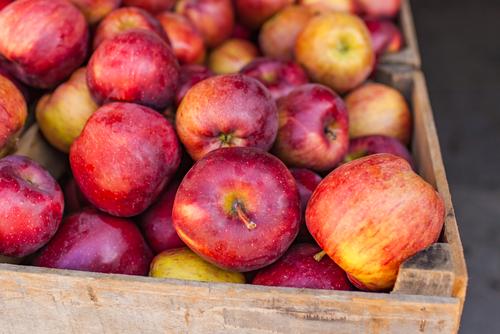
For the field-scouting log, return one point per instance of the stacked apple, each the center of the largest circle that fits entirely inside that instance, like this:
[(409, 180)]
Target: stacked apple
[(199, 131)]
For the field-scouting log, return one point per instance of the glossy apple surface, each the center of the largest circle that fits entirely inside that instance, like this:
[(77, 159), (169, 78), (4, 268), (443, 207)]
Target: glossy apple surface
[(306, 181), (94, 241), (31, 206), (379, 8), (386, 36), (226, 110), (238, 208), (124, 157), (13, 114), (363, 146), (43, 41), (253, 13), (190, 75), (152, 6), (231, 56), (96, 10), (371, 214)]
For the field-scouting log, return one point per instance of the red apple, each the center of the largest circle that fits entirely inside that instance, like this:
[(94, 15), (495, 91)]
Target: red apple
[(4, 3), (31, 206), (280, 77), (152, 6), (186, 41), (379, 8), (238, 208), (13, 114), (226, 110), (371, 214), (214, 19), (124, 157), (377, 109), (43, 41), (231, 56), (156, 222), (93, 241), (127, 19), (74, 200), (386, 36), (363, 146), (253, 13), (321, 6), (135, 66), (313, 128), (96, 10), (306, 181), (298, 268), (189, 76)]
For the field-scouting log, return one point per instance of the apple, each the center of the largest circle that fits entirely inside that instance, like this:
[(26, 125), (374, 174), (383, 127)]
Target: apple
[(189, 76), (43, 41), (278, 35), (13, 114), (299, 268), (371, 214), (152, 6), (124, 157), (127, 19), (226, 110), (186, 41), (214, 19), (379, 8), (156, 221), (74, 200), (280, 77), (93, 241), (184, 264), (321, 6), (4, 71), (4, 3), (363, 146), (135, 66), (313, 128), (231, 56), (253, 13), (63, 113), (31, 206), (96, 10), (386, 36), (335, 49), (238, 208), (377, 109)]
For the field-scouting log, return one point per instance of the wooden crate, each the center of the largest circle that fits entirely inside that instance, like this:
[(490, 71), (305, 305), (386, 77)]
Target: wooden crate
[(427, 298)]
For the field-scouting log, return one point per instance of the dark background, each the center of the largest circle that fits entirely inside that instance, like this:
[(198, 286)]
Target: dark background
[(460, 47)]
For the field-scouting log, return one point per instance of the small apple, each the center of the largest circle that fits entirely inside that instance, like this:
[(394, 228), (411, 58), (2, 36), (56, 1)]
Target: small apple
[(189, 76), (280, 77), (321, 6), (377, 109), (96, 10), (379, 8), (336, 50), (214, 19), (386, 36), (13, 114), (301, 268), (183, 264), (43, 41), (74, 200), (135, 66), (363, 146), (226, 110), (152, 6), (238, 208), (124, 157), (93, 241), (231, 56), (313, 128), (31, 206), (253, 13)]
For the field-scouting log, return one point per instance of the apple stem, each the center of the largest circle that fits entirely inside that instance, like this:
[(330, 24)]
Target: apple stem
[(331, 132), (243, 216), (319, 256)]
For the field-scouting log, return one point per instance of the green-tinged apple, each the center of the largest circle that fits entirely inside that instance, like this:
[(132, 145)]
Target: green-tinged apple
[(96, 10), (231, 56), (13, 114)]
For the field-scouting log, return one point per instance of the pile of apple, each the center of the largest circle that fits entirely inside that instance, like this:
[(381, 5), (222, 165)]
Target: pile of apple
[(198, 133)]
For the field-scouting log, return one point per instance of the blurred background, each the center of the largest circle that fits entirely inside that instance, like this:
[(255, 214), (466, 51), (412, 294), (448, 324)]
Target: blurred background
[(460, 47)]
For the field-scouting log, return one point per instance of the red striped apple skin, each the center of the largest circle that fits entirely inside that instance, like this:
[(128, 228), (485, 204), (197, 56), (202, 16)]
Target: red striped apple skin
[(371, 214), (13, 113)]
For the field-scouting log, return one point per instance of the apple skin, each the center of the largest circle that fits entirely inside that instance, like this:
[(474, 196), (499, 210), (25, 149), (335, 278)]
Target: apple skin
[(13, 114), (124, 157), (156, 221), (306, 181), (184, 264), (4, 3), (214, 19), (298, 269), (185, 39), (126, 19), (386, 36), (95, 10), (349, 58), (135, 66), (31, 206), (363, 146), (152, 6), (226, 110), (253, 13), (63, 113), (224, 194), (372, 214), (278, 35), (377, 109), (313, 128), (231, 56), (54, 40), (279, 77), (379, 8), (320, 6), (94, 241), (190, 75), (74, 200)]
